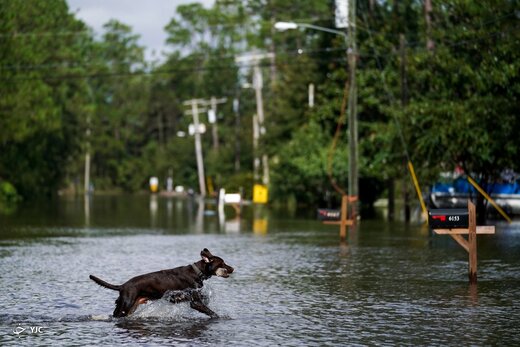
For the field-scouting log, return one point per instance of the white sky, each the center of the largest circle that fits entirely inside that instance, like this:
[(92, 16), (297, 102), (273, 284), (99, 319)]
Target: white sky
[(146, 17)]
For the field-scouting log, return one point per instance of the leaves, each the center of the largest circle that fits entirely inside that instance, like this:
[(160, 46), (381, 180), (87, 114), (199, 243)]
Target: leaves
[(455, 105)]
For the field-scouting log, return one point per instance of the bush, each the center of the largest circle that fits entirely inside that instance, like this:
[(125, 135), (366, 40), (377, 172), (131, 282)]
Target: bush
[(9, 197)]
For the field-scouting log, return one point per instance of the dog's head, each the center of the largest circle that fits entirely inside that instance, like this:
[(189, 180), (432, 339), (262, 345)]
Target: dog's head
[(215, 266)]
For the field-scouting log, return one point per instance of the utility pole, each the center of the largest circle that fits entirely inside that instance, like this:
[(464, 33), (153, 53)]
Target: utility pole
[(353, 179), (258, 124), (88, 145), (258, 85), (311, 95), (404, 103), (256, 137), (236, 109), (87, 158), (430, 45), (212, 118), (194, 103)]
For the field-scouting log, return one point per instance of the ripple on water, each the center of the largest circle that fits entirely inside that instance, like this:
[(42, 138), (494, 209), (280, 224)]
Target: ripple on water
[(285, 291)]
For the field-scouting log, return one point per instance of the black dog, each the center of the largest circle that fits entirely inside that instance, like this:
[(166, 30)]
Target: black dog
[(185, 279)]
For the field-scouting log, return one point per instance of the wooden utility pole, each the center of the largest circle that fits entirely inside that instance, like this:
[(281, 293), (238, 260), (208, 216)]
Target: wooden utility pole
[(236, 109), (258, 85), (256, 159), (404, 103), (258, 123), (213, 104), (88, 147), (353, 179), (311, 95), (194, 103), (87, 159), (430, 45), (391, 199)]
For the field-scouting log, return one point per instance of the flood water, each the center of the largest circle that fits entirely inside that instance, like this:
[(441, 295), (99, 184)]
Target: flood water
[(294, 283)]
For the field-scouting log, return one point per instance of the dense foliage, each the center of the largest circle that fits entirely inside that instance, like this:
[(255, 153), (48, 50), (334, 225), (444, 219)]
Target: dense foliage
[(65, 93)]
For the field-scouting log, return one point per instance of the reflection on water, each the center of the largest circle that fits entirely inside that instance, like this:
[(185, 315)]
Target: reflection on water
[(294, 283)]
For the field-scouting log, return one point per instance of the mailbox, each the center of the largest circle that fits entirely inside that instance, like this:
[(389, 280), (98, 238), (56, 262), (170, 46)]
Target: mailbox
[(325, 214), (448, 218)]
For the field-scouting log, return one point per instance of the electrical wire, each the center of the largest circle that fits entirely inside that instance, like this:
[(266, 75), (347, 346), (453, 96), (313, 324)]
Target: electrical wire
[(332, 148)]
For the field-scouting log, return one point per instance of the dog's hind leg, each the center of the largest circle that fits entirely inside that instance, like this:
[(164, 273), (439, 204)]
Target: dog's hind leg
[(119, 307), (126, 303)]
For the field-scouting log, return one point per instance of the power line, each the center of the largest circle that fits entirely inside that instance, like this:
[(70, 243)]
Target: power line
[(45, 33), (150, 73), (293, 53), (377, 55)]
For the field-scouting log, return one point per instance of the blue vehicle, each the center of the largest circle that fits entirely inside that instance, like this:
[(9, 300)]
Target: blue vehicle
[(456, 193)]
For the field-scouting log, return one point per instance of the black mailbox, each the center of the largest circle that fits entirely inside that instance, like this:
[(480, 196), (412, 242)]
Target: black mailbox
[(325, 214), (448, 218)]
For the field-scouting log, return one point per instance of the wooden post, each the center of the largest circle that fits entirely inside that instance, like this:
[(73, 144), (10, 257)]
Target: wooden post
[(469, 244), (472, 242), (344, 221), (343, 225)]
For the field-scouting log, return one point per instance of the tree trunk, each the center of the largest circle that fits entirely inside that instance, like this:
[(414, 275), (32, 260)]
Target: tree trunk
[(481, 209), (391, 199)]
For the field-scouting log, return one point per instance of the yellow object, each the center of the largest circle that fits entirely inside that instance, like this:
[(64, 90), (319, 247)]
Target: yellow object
[(209, 182), (481, 191), (260, 226), (260, 194), (154, 184), (418, 189)]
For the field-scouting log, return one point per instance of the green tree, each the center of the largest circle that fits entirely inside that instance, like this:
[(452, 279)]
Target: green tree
[(121, 93), (39, 126), (466, 93), (205, 42)]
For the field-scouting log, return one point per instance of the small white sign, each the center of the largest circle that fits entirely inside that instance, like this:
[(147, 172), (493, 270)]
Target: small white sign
[(341, 13), (201, 129), (232, 198), (212, 117)]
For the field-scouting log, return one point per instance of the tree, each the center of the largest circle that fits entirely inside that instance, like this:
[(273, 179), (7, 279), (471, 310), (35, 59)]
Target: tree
[(466, 93), (39, 128), (121, 94)]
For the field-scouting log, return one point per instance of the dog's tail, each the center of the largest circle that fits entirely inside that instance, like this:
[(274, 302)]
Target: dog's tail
[(104, 284)]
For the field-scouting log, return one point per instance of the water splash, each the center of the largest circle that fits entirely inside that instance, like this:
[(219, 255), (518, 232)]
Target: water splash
[(164, 309)]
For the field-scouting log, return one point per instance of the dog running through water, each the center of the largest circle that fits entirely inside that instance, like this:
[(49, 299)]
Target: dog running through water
[(186, 281)]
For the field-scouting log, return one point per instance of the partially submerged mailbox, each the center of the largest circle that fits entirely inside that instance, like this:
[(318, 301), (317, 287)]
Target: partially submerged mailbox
[(448, 218), (338, 217), (325, 214), (458, 222)]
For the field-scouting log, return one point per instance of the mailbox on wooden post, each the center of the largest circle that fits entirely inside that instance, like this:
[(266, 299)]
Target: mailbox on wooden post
[(458, 222), (338, 217), (448, 218)]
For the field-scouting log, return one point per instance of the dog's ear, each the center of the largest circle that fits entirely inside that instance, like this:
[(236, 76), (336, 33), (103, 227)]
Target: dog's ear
[(206, 255)]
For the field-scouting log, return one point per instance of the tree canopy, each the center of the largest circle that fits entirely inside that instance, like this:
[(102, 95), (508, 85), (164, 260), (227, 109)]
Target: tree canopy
[(439, 88)]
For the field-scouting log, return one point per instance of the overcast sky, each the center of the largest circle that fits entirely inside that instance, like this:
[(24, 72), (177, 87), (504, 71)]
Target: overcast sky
[(146, 17)]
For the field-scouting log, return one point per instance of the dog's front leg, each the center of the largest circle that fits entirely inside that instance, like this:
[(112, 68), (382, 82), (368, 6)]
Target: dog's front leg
[(197, 304), (178, 297)]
